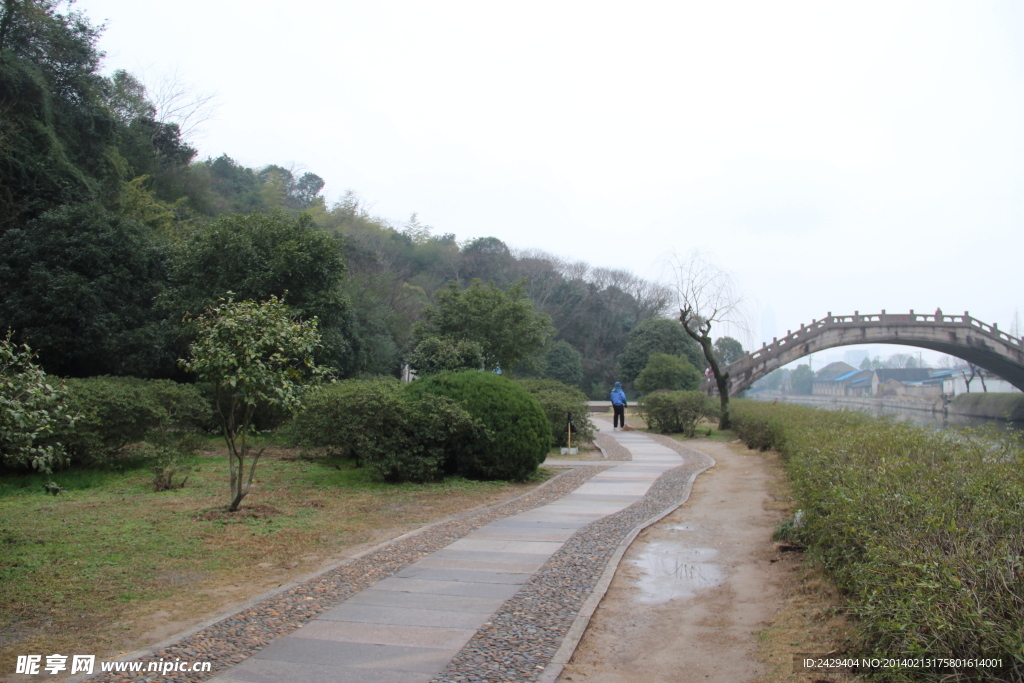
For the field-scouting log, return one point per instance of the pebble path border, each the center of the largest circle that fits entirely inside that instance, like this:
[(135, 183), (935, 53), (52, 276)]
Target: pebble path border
[(524, 634), (238, 637), (612, 449)]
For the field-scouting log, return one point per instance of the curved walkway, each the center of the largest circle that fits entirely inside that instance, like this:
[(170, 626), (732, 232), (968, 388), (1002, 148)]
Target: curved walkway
[(506, 601)]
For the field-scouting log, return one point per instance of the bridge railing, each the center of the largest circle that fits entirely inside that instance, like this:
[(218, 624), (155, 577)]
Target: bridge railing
[(883, 318)]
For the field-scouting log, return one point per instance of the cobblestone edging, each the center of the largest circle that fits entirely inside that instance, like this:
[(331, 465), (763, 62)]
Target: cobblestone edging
[(523, 635), (612, 449), (242, 635)]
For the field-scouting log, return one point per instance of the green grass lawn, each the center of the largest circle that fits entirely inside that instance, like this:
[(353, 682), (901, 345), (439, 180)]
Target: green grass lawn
[(82, 571)]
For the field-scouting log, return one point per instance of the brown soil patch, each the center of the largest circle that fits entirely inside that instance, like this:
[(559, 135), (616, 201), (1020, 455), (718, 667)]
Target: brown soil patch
[(705, 595)]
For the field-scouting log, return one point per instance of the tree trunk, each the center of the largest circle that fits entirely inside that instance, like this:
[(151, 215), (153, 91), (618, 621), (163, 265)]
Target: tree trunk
[(721, 380)]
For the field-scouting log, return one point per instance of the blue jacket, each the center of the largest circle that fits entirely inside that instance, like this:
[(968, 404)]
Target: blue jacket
[(618, 395)]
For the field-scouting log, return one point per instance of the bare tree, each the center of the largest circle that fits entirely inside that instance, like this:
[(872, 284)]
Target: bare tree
[(178, 102), (967, 370), (707, 296)]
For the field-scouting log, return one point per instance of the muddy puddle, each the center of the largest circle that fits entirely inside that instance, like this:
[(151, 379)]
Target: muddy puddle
[(674, 570)]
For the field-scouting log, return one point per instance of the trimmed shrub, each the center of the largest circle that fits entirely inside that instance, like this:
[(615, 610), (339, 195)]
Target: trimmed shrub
[(922, 530), (675, 412), (560, 402), (520, 434), (667, 372), (436, 354), (375, 423), (117, 411), (348, 418)]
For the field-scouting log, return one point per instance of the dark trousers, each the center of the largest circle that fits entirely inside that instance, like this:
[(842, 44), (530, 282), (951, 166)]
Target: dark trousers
[(619, 420)]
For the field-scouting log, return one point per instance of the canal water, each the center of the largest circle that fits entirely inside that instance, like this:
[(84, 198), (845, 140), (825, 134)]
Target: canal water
[(925, 417)]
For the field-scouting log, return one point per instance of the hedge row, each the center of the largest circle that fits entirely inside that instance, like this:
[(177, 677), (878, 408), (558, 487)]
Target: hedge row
[(474, 424), (922, 530)]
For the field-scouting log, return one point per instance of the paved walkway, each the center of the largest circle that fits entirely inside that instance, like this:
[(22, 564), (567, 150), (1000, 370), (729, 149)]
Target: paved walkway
[(408, 627)]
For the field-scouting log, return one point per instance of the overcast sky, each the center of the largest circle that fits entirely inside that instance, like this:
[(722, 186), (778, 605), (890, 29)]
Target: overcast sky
[(835, 156)]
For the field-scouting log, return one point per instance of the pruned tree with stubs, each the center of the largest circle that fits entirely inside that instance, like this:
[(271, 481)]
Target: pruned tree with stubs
[(708, 297)]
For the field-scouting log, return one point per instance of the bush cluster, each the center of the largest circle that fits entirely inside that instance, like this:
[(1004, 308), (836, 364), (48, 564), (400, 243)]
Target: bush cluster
[(922, 530), (377, 424), (32, 407), (667, 372), (519, 431), (675, 412), (561, 403), (117, 411)]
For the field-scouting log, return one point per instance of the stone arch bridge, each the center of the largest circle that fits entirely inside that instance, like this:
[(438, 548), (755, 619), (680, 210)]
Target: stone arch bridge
[(962, 336)]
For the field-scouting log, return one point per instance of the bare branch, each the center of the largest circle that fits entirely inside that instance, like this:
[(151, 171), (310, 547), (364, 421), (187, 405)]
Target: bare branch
[(177, 101)]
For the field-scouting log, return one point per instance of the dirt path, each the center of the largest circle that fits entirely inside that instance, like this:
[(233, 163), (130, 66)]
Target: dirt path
[(694, 589)]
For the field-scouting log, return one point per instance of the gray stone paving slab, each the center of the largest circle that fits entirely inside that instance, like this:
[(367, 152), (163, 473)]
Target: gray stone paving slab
[(542, 521), (588, 498), (453, 603), (521, 534), (476, 590), (614, 488), (263, 671), (388, 634), (488, 545), (341, 653), (602, 509), (417, 571), (444, 563), (493, 557), (399, 616)]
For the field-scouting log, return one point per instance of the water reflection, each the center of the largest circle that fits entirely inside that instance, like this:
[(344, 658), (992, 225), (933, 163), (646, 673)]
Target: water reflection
[(671, 571), (925, 416)]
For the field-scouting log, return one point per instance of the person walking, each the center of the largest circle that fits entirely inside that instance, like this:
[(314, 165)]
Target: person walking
[(618, 406)]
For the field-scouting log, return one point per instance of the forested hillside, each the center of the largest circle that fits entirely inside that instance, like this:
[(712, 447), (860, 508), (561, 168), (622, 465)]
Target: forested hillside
[(112, 230)]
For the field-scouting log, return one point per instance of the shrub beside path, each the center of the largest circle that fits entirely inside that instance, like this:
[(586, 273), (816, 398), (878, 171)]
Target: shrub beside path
[(501, 594)]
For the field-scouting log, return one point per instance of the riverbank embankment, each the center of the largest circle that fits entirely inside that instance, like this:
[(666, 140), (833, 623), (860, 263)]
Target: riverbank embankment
[(965, 409)]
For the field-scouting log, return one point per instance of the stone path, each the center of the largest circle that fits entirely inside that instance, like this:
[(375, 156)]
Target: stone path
[(411, 626), (500, 594)]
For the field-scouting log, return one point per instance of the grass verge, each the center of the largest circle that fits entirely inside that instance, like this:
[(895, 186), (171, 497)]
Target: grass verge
[(110, 566)]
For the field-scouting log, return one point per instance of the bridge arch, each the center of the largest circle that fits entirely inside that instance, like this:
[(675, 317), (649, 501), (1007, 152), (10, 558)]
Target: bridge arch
[(962, 336)]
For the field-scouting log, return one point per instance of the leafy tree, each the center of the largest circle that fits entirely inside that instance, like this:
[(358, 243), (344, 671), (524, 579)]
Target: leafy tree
[(235, 188), (563, 363), (486, 258), (434, 355), (78, 283), (257, 256), (664, 371), (728, 350), (32, 408), (802, 379), (778, 380), (656, 335), (57, 135), (504, 324), (282, 190), (253, 353)]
